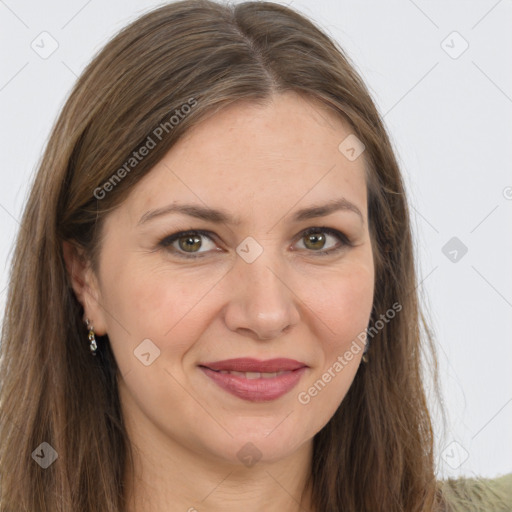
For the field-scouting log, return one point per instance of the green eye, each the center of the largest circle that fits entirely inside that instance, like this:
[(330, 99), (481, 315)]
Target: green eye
[(196, 243), (190, 243), (315, 241), (318, 240)]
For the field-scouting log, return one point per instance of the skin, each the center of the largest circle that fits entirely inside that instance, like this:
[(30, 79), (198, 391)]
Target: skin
[(261, 164)]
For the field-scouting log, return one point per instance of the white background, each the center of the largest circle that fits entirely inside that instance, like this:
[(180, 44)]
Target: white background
[(449, 120)]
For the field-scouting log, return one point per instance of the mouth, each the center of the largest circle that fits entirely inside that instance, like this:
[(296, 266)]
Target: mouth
[(252, 375), (253, 380), (250, 365)]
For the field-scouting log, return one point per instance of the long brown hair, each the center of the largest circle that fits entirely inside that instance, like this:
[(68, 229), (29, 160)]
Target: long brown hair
[(376, 452)]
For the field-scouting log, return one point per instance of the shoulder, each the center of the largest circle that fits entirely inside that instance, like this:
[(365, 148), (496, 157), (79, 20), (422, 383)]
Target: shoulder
[(478, 494)]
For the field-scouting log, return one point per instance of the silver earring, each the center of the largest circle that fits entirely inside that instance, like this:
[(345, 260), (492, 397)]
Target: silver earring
[(92, 338), (365, 352)]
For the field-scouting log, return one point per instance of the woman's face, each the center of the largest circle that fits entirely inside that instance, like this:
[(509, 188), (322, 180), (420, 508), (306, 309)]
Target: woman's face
[(248, 283)]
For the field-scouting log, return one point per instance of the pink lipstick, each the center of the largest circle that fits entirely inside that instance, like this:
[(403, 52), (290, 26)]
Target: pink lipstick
[(254, 380)]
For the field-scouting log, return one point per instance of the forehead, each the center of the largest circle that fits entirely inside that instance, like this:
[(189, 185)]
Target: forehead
[(257, 160)]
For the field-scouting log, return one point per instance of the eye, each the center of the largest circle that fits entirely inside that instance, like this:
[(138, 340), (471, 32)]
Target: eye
[(189, 243), (197, 243), (324, 240)]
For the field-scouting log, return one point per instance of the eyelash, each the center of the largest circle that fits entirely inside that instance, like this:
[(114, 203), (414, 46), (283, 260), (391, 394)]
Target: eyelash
[(167, 241)]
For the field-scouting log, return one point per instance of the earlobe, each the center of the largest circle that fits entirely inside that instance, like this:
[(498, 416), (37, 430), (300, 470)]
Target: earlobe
[(84, 284)]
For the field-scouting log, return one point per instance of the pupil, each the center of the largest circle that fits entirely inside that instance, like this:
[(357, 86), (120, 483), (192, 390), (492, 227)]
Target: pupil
[(317, 240), (192, 243), (189, 243)]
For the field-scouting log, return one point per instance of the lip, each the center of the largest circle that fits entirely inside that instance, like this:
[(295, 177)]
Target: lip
[(260, 389), (247, 364)]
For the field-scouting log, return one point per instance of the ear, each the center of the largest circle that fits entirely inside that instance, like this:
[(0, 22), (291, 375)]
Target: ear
[(85, 285)]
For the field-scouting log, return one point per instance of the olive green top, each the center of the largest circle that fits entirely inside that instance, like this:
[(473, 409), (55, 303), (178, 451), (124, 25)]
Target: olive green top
[(478, 494)]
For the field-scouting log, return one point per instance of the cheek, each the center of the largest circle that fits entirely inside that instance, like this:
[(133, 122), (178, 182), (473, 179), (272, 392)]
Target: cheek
[(342, 302), (340, 311), (157, 303)]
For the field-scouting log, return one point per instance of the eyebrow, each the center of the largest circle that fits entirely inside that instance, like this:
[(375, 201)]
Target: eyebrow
[(222, 216)]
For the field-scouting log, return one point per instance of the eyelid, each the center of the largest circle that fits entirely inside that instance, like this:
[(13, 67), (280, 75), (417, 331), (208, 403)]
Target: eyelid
[(344, 240), (168, 240), (331, 231)]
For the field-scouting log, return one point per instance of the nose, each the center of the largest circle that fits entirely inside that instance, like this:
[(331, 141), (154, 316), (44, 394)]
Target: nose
[(262, 303)]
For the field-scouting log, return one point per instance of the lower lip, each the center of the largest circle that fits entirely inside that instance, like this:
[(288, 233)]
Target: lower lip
[(256, 390)]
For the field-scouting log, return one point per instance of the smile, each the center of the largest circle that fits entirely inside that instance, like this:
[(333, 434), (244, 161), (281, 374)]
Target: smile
[(255, 380)]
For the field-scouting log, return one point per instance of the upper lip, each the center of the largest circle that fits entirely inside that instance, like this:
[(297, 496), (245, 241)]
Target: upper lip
[(246, 364)]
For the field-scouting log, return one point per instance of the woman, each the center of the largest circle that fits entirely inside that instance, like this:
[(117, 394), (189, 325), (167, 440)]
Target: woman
[(213, 296)]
